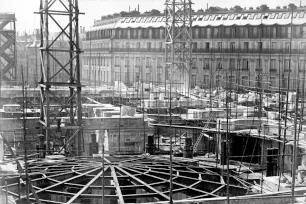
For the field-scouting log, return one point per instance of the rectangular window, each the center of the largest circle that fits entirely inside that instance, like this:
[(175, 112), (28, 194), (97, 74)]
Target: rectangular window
[(194, 46), (245, 64), (116, 76), (206, 63), (260, 46), (159, 76), (207, 45), (138, 61), (156, 33), (219, 46), (208, 33), (148, 45), (127, 45), (302, 65), (193, 80), (127, 61), (194, 63), (287, 45), (216, 32), (159, 62), (274, 45), (245, 80), (219, 63), (258, 65), (246, 46), (231, 80), (273, 65), (203, 33), (135, 33), (283, 32), (160, 45), (303, 32), (206, 80), (273, 81), (289, 32), (196, 33), (233, 32), (138, 45), (140, 33), (246, 32), (148, 62), (273, 32), (255, 32), (227, 32), (117, 61), (232, 45), (232, 63), (286, 68), (297, 31), (218, 80)]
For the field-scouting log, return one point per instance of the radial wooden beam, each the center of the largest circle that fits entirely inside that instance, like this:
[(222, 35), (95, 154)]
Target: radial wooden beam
[(143, 183), (179, 184), (118, 190), (62, 182), (86, 186)]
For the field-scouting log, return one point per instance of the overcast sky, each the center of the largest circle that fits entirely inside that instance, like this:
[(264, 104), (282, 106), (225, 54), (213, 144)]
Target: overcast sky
[(94, 9)]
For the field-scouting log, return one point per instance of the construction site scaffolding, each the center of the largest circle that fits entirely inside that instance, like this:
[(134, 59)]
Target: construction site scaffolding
[(58, 11)]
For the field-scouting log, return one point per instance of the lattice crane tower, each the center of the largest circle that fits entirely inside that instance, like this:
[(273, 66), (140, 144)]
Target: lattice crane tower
[(8, 71), (178, 54), (62, 17)]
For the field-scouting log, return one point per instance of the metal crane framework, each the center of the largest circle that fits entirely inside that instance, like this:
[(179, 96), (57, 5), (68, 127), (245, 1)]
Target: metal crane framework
[(54, 13), (178, 54), (8, 71)]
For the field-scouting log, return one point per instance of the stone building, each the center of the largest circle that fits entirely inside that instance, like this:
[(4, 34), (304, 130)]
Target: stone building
[(28, 55), (245, 47)]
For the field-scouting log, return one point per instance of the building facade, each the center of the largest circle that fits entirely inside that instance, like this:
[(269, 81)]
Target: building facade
[(28, 54), (235, 48)]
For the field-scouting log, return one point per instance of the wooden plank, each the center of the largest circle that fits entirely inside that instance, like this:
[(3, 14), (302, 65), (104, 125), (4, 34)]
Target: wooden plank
[(62, 182), (118, 190), (143, 183), (86, 186)]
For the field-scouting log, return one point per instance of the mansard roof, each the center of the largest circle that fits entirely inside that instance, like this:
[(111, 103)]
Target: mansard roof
[(209, 19)]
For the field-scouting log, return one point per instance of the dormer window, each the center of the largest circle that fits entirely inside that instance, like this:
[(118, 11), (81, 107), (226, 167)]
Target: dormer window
[(301, 15), (258, 16), (287, 15), (232, 17), (280, 15), (266, 16)]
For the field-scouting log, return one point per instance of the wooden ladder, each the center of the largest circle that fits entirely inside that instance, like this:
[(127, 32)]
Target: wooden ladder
[(206, 126)]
